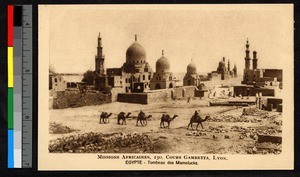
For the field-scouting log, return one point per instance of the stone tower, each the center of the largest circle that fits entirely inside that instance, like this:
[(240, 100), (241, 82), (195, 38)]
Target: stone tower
[(99, 59), (247, 58), (254, 60), (235, 70), (228, 65)]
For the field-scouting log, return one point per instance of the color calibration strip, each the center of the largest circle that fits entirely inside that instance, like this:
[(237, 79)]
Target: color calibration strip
[(10, 97), (19, 86)]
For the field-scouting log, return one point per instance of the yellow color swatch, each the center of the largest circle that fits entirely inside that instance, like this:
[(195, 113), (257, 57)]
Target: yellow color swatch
[(10, 64)]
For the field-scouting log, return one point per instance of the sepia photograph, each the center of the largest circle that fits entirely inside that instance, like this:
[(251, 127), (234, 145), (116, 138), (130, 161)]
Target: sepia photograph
[(167, 87)]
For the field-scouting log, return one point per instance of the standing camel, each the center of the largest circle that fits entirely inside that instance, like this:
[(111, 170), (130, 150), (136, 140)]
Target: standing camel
[(142, 118), (121, 116), (104, 117), (197, 119), (166, 118)]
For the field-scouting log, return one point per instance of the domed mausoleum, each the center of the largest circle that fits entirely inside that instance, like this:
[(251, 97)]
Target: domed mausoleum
[(191, 77), (136, 54), (133, 76), (223, 71), (162, 78)]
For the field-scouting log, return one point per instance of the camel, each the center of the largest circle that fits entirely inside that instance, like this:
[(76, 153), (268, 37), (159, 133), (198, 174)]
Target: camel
[(104, 117), (168, 119), (142, 118), (197, 119), (122, 117)]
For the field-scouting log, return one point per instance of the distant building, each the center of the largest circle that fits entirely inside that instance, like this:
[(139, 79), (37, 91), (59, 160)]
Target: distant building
[(162, 78), (191, 77), (259, 77), (62, 82), (133, 76), (222, 72)]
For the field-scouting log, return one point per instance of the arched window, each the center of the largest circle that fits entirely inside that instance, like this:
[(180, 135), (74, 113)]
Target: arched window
[(170, 85)]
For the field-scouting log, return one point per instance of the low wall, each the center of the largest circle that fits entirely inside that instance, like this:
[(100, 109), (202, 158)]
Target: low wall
[(201, 93), (159, 96), (140, 98), (115, 92), (242, 90), (72, 99), (156, 96)]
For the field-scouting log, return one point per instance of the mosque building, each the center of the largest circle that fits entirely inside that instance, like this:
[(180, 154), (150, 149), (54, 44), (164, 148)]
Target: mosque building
[(222, 72), (133, 76), (191, 77), (162, 78), (259, 77)]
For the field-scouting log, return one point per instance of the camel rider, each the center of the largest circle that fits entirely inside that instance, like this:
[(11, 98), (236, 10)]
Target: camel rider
[(196, 113)]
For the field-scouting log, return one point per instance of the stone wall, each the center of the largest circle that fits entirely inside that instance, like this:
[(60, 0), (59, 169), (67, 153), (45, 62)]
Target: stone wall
[(140, 98), (184, 92), (242, 90), (114, 93), (156, 96), (201, 93), (72, 99), (159, 96)]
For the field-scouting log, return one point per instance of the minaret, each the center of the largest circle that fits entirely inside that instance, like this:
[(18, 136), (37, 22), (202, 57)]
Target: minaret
[(99, 58), (247, 58), (228, 65), (235, 70), (254, 60)]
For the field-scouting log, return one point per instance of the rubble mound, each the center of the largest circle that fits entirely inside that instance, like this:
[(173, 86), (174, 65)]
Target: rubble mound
[(56, 128), (265, 149), (160, 146), (255, 112), (104, 143)]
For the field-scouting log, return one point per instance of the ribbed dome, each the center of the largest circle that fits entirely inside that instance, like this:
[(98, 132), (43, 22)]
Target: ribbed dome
[(136, 54), (191, 68), (162, 65)]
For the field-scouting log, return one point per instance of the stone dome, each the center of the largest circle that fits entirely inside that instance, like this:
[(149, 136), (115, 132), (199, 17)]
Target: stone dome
[(191, 68), (136, 53), (162, 64)]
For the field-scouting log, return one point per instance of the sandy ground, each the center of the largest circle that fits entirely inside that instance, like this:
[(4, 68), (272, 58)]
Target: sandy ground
[(177, 139)]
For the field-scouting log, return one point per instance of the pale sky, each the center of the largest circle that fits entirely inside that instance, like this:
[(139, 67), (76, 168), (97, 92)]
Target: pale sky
[(205, 33)]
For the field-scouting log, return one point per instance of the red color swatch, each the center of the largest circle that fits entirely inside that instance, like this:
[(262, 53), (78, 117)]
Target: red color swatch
[(10, 26)]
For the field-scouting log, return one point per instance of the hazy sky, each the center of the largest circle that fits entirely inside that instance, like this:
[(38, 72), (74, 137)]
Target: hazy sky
[(205, 33)]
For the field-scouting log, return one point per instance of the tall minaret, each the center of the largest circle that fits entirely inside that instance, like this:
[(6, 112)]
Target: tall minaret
[(247, 58), (99, 58), (235, 70), (254, 60)]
